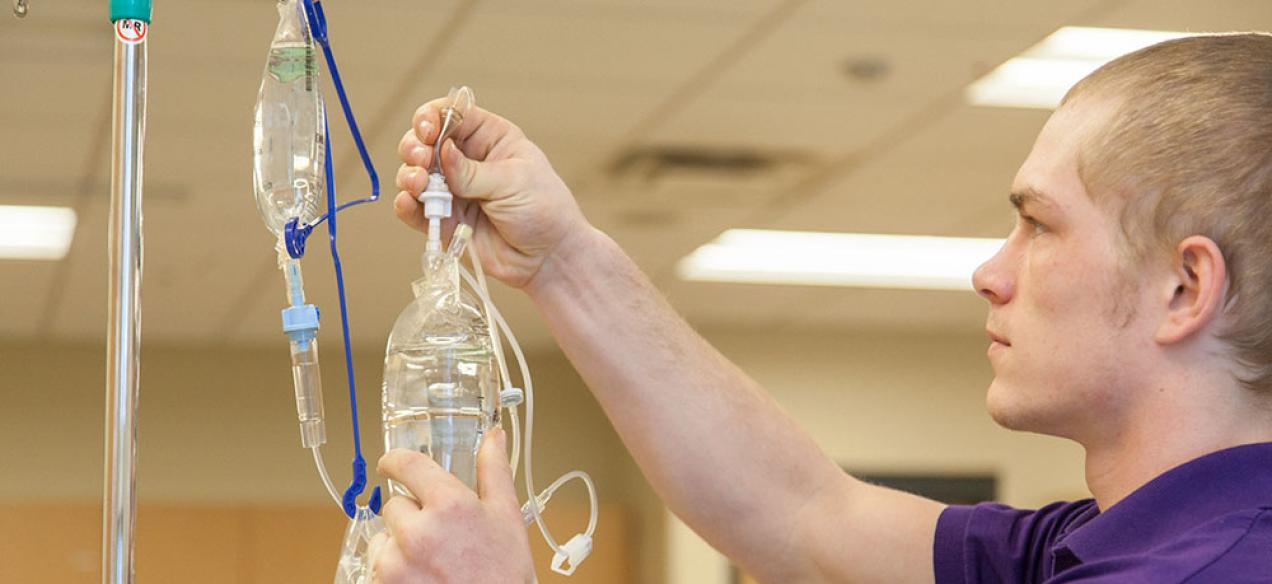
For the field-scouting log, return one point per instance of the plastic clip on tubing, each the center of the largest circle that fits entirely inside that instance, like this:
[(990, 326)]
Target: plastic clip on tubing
[(130, 9), (296, 234), (359, 482)]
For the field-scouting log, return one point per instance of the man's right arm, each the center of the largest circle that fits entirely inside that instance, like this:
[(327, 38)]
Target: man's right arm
[(715, 446)]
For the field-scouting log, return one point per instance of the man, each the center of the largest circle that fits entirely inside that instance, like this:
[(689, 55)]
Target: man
[(1130, 311)]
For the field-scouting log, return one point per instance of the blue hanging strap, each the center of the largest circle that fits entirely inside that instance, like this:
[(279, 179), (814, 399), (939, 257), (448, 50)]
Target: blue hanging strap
[(295, 234), (359, 482)]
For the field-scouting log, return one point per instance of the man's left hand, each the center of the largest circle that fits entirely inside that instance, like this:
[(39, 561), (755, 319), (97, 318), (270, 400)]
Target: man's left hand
[(448, 533)]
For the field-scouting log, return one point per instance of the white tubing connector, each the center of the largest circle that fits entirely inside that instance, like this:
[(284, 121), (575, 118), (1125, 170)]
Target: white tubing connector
[(436, 197), (572, 554)]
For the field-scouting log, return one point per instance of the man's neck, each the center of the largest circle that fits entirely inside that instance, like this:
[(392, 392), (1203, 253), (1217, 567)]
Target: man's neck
[(1181, 424)]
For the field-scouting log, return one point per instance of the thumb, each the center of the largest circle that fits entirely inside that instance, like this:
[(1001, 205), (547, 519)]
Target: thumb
[(494, 474), (474, 179)]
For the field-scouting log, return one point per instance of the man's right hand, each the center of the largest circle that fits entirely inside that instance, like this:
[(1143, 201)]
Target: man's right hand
[(753, 484), (522, 213)]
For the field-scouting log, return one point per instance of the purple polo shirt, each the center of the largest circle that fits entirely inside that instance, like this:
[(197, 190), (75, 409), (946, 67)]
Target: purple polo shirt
[(1207, 520)]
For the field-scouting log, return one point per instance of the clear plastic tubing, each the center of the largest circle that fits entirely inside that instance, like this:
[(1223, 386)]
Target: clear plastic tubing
[(536, 502), (306, 375)]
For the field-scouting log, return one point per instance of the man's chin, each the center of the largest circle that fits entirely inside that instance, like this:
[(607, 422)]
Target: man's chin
[(1008, 410)]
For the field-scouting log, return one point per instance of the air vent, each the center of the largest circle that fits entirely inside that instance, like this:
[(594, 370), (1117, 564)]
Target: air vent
[(653, 163), (711, 177)]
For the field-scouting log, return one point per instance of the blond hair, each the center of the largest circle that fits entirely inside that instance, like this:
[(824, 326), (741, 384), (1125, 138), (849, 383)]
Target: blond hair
[(1188, 151)]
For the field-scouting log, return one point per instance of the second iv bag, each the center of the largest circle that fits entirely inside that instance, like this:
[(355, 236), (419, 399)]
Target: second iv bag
[(441, 382), (288, 156), (288, 136)]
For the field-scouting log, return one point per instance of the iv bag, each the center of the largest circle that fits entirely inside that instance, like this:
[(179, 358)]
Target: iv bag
[(355, 562), (288, 137), (440, 392)]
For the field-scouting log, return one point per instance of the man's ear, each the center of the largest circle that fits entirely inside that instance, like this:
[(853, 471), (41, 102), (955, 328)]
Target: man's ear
[(1200, 279)]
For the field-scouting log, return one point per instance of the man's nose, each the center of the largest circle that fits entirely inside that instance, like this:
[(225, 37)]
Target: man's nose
[(993, 281)]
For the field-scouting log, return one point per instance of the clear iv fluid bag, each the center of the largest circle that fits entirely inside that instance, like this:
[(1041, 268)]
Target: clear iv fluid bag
[(440, 376), (354, 566), (288, 137)]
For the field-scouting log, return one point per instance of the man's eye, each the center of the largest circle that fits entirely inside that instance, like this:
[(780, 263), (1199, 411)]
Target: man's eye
[(1038, 228)]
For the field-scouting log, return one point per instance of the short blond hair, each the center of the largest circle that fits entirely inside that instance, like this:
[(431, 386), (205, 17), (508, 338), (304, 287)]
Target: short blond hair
[(1188, 151)]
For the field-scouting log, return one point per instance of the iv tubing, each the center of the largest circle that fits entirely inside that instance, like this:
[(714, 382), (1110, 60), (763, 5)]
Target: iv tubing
[(529, 480), (497, 343), (326, 478)]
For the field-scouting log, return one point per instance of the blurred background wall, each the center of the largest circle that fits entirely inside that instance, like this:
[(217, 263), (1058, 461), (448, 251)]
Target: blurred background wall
[(671, 120)]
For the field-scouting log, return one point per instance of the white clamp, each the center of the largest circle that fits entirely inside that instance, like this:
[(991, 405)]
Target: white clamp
[(575, 551)]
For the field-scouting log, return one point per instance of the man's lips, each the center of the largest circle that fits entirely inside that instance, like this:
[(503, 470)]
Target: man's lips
[(997, 338)]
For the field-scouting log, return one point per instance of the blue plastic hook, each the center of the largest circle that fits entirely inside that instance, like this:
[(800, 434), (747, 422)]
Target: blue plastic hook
[(294, 236), (350, 499)]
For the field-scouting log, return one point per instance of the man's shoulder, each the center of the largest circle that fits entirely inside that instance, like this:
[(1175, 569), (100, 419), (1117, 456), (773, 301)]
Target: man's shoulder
[(1247, 559), (1229, 549)]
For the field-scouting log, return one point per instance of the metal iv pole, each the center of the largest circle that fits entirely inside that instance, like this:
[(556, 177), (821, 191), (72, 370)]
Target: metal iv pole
[(131, 20)]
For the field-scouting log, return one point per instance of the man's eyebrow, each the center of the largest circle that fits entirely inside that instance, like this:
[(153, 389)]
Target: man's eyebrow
[(1026, 196)]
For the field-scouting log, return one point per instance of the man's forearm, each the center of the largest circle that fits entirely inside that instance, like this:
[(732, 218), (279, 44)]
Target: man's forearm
[(717, 448)]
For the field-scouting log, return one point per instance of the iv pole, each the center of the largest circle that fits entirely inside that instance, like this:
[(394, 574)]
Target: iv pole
[(131, 19)]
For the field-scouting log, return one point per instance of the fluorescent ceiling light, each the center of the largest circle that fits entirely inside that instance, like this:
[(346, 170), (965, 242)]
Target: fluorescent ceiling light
[(839, 259), (35, 233), (1040, 76)]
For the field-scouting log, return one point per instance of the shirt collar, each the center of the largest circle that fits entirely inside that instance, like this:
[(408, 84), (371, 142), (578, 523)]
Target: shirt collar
[(1197, 491)]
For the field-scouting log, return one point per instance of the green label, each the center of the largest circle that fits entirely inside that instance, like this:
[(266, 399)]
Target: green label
[(288, 64)]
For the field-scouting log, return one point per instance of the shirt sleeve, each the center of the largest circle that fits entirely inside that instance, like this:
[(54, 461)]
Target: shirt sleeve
[(990, 542)]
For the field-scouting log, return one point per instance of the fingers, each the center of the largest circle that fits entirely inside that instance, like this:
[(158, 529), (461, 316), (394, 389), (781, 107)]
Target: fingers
[(483, 181), (414, 151), (494, 473), (427, 481), (411, 179), (478, 135), (409, 210), (388, 563), (400, 514), (375, 548), (426, 118)]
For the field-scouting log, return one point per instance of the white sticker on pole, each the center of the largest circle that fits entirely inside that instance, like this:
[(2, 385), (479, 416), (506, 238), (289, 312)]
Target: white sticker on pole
[(130, 31)]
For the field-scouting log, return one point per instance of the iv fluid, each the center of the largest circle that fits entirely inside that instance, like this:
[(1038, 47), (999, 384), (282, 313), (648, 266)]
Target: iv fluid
[(440, 381), (288, 151), (434, 401), (288, 137)]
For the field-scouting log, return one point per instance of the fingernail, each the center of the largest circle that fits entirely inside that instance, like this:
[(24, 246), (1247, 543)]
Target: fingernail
[(417, 153), (425, 126)]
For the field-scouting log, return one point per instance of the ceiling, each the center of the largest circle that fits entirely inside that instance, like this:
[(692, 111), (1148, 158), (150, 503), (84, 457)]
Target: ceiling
[(589, 80)]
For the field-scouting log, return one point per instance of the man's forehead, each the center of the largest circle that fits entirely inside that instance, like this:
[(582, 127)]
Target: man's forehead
[(1049, 175)]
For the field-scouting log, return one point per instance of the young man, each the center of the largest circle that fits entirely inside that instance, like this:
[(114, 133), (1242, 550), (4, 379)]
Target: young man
[(1130, 311)]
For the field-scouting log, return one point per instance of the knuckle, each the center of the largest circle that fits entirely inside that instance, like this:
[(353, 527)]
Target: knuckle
[(413, 463), (456, 505), (418, 537), (407, 144), (408, 178)]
